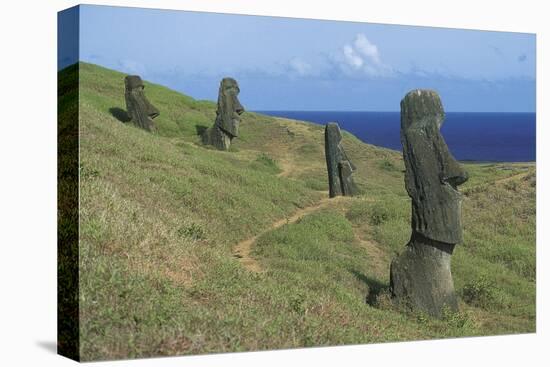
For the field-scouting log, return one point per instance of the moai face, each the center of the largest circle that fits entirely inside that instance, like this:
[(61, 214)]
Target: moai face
[(140, 110), (339, 167), (432, 174), (229, 107)]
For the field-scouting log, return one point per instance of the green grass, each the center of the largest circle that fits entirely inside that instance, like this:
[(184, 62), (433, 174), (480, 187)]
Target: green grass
[(265, 164), (160, 213)]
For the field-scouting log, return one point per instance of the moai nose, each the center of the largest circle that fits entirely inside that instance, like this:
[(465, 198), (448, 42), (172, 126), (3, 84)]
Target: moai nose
[(238, 107)]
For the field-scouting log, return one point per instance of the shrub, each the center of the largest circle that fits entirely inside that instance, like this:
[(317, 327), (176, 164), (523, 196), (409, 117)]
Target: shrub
[(512, 185), (297, 303), (457, 320), (379, 214), (265, 163), (387, 165), (193, 231), (480, 292)]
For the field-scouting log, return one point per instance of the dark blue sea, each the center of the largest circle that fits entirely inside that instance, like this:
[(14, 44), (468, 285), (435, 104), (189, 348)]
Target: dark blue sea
[(471, 136)]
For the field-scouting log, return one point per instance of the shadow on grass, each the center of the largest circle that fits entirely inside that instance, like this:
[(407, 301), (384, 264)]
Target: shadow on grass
[(200, 129), (120, 114), (376, 287)]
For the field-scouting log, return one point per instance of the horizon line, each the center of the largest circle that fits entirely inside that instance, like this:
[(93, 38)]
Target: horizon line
[(385, 111)]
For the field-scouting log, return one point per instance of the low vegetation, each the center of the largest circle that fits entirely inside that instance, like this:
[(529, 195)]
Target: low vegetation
[(160, 215)]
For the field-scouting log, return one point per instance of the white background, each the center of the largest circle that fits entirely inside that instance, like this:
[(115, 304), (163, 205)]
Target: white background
[(28, 181)]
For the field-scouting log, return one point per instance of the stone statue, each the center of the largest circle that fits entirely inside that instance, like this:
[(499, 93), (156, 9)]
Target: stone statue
[(228, 114), (140, 110), (421, 276), (339, 167)]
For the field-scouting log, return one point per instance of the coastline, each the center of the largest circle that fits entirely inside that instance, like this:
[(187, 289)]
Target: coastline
[(471, 136)]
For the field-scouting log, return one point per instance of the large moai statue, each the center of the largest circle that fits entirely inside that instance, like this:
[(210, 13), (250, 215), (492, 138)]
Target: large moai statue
[(339, 167), (420, 277), (226, 126), (140, 110)]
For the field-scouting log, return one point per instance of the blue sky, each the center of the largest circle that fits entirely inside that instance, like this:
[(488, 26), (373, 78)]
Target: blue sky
[(300, 64)]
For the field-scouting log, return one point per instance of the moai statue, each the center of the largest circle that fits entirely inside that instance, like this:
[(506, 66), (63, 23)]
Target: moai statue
[(228, 114), (140, 110), (339, 167), (420, 277)]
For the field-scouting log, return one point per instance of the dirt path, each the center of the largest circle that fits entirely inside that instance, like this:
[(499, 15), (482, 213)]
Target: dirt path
[(243, 249), (513, 177), (378, 259), (286, 167)]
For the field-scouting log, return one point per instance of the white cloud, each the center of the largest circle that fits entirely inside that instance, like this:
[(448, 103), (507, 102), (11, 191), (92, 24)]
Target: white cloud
[(367, 49), (362, 57), (358, 58), (300, 66), (352, 58)]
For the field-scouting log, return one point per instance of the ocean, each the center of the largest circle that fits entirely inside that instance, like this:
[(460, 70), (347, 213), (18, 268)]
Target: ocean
[(471, 136)]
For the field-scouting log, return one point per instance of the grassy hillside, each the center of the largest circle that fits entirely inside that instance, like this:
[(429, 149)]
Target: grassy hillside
[(186, 250)]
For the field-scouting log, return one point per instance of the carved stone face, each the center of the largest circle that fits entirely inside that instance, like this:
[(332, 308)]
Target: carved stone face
[(140, 110), (432, 174), (229, 107)]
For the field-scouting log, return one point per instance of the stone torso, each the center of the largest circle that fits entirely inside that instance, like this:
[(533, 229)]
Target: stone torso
[(339, 167), (432, 174)]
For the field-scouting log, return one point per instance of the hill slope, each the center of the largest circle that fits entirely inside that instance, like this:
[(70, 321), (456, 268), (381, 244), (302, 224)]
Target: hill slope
[(163, 221)]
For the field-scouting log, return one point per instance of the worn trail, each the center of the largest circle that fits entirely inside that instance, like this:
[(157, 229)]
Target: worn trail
[(243, 249), (287, 165), (512, 178)]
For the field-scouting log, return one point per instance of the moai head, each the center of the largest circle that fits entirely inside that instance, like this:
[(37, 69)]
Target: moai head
[(229, 107), (432, 174), (140, 110), (339, 166)]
